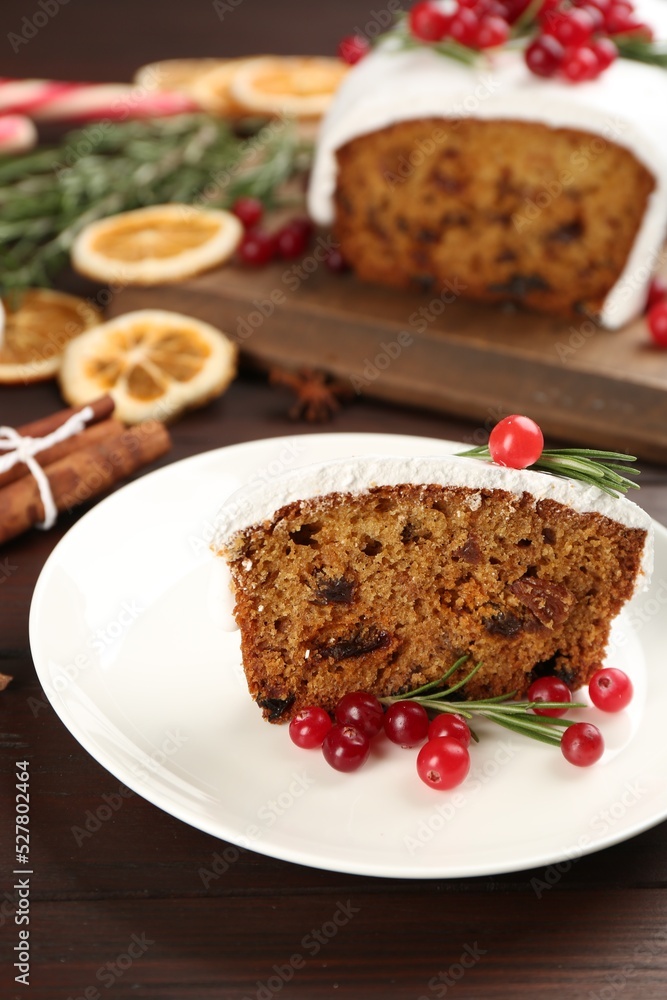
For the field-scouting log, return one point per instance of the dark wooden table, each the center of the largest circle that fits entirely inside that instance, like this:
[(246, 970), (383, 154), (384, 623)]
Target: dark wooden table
[(134, 887)]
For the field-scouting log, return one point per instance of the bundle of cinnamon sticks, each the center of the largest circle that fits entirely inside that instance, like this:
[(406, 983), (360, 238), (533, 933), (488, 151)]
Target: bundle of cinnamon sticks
[(78, 469)]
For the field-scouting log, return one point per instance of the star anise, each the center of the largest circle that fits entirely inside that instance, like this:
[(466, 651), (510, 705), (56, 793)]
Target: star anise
[(318, 395)]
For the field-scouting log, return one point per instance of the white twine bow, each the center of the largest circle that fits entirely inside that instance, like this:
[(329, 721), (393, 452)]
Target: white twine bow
[(25, 449)]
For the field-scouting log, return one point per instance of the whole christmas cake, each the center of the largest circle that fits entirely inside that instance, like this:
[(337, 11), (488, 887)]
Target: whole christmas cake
[(533, 174)]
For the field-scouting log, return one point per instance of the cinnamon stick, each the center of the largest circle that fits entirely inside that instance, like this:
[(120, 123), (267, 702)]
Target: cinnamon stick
[(81, 476), (64, 448), (102, 408)]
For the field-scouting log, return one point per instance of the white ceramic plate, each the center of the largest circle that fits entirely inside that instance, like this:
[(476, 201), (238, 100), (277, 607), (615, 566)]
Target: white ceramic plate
[(139, 672)]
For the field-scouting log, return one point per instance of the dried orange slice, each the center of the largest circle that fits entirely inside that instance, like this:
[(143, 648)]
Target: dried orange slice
[(174, 74), (150, 246), (154, 364), (38, 325), (302, 86), (212, 90)]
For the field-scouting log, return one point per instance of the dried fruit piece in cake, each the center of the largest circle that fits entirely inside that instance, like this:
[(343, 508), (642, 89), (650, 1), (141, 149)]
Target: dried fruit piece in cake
[(378, 574)]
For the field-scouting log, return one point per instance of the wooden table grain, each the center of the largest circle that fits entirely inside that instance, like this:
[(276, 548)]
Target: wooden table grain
[(128, 911)]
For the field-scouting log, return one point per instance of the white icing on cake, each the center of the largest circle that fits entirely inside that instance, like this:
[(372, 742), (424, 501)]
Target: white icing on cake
[(625, 105), (258, 503)]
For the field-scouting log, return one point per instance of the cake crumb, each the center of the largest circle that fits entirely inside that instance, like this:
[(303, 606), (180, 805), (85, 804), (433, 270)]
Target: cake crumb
[(247, 564)]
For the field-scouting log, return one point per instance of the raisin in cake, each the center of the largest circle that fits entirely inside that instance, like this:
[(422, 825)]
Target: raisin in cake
[(506, 186), (378, 573)]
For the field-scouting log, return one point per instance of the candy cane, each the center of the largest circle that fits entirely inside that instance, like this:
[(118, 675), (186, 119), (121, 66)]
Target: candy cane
[(17, 133), (50, 100)]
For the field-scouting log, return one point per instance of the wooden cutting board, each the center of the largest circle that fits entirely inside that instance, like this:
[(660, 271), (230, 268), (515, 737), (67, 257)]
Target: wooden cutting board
[(590, 386)]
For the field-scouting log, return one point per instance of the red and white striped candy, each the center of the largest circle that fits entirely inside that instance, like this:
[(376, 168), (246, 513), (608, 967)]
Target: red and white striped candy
[(50, 100), (17, 133)]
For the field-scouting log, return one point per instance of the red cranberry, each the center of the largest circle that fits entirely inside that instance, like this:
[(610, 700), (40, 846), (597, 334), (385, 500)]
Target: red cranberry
[(406, 723), (257, 248), (580, 64), (610, 689), (548, 12), (544, 56), (248, 210), (492, 31), (514, 9), (573, 27), (362, 711), (464, 27), (638, 29), (657, 323), (657, 292), (302, 223), (427, 22), (352, 48), (345, 748), (487, 8), (618, 17), (336, 262), (595, 15), (309, 727), (292, 240), (605, 52), (582, 744)]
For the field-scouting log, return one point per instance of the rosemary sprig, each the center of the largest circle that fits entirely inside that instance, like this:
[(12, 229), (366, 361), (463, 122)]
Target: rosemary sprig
[(404, 40), (527, 20), (460, 53), (641, 50), (46, 197), (587, 465), (513, 715)]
